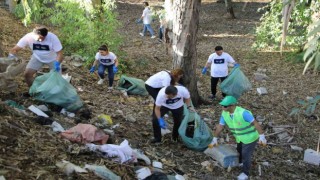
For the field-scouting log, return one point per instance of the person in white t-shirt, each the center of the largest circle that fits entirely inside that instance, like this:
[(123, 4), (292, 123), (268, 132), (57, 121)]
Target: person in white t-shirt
[(107, 60), (147, 19), (46, 49), (219, 62), (170, 98)]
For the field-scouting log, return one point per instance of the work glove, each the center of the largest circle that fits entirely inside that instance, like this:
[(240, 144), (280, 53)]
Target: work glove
[(204, 70), (57, 66), (191, 109), (214, 142), (162, 123), (262, 139), (115, 69), (93, 68), (237, 65), (12, 56)]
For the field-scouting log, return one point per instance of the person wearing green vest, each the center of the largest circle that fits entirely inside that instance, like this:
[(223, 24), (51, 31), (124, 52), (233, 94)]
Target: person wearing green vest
[(246, 130)]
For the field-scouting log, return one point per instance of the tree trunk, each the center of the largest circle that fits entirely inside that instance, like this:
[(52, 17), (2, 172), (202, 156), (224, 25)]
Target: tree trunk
[(230, 8), (185, 28), (12, 4)]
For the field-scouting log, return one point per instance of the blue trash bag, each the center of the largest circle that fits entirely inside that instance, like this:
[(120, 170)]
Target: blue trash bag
[(236, 83), (194, 132), (53, 88)]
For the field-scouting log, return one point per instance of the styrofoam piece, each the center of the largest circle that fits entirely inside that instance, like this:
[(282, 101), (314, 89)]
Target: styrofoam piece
[(179, 177), (226, 155), (143, 173), (262, 90), (37, 111), (67, 77), (312, 157), (165, 131), (157, 164)]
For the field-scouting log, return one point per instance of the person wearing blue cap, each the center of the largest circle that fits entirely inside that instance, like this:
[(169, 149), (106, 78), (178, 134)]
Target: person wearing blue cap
[(246, 130)]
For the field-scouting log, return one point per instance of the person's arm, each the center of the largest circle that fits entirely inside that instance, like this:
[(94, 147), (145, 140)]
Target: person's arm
[(258, 127), (60, 56), (157, 112), (218, 130), (95, 63), (116, 62), (15, 50), (208, 64)]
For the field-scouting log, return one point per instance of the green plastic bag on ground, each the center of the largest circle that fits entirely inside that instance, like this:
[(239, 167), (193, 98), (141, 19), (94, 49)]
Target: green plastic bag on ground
[(236, 83), (53, 88), (132, 85), (194, 132)]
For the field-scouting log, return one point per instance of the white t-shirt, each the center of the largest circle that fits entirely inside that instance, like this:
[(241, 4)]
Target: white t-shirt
[(159, 80), (46, 50), (106, 60), (175, 102), (147, 16), (219, 64)]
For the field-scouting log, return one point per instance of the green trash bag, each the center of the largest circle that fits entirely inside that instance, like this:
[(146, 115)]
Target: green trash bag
[(236, 83), (194, 132), (132, 85), (53, 88)]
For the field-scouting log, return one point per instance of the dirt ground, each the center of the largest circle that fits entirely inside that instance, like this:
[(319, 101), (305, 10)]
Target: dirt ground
[(30, 151)]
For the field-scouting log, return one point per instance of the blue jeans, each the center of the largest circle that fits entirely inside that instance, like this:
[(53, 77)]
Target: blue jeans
[(101, 70), (147, 27), (246, 151)]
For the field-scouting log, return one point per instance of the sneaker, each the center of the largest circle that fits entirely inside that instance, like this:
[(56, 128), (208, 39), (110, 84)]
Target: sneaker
[(240, 165), (155, 141), (243, 176), (100, 81), (152, 37), (110, 88), (141, 34)]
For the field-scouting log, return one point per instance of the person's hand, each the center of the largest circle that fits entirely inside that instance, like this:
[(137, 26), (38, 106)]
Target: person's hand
[(213, 143), (139, 21), (262, 140), (204, 70), (162, 123), (93, 68), (237, 65), (57, 66), (191, 109), (115, 69), (12, 56)]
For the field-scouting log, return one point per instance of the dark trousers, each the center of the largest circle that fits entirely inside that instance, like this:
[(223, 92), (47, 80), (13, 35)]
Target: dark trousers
[(101, 70), (214, 83), (246, 151), (153, 92), (177, 115)]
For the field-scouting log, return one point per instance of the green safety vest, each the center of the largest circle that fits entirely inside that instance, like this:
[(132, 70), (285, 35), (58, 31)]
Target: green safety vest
[(242, 130)]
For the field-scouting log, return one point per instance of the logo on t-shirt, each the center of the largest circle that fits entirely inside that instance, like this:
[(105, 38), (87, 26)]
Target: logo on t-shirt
[(172, 101), (105, 60), (218, 61), (41, 47)]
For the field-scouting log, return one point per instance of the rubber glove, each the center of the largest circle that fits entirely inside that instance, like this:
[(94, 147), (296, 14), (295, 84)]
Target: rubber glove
[(93, 68), (12, 56), (214, 142), (262, 140), (204, 70), (115, 69), (162, 123), (57, 66), (237, 65)]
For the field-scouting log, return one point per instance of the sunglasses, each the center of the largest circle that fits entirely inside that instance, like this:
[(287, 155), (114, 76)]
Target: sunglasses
[(225, 106)]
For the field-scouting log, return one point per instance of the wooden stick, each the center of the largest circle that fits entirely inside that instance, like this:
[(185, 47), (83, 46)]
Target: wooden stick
[(318, 144)]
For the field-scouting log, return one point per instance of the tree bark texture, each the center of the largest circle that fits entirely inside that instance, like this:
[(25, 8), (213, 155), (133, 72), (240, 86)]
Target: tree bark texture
[(185, 28), (230, 8)]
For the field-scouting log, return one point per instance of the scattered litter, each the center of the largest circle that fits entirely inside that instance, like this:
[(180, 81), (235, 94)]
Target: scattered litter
[(56, 127), (139, 155), (179, 177), (282, 134), (311, 157), (265, 163), (260, 118), (284, 92), (68, 168), (262, 90), (14, 104), (67, 77), (85, 133), (42, 107), (80, 89), (226, 155), (37, 111), (309, 98), (260, 76), (296, 148), (115, 126), (2, 178), (124, 93), (157, 164), (259, 169), (109, 132), (122, 153), (119, 112), (143, 173), (105, 119), (66, 113), (102, 172), (165, 131)]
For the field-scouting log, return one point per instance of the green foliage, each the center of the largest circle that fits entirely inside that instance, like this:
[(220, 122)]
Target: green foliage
[(83, 28), (307, 108), (312, 48), (270, 30)]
